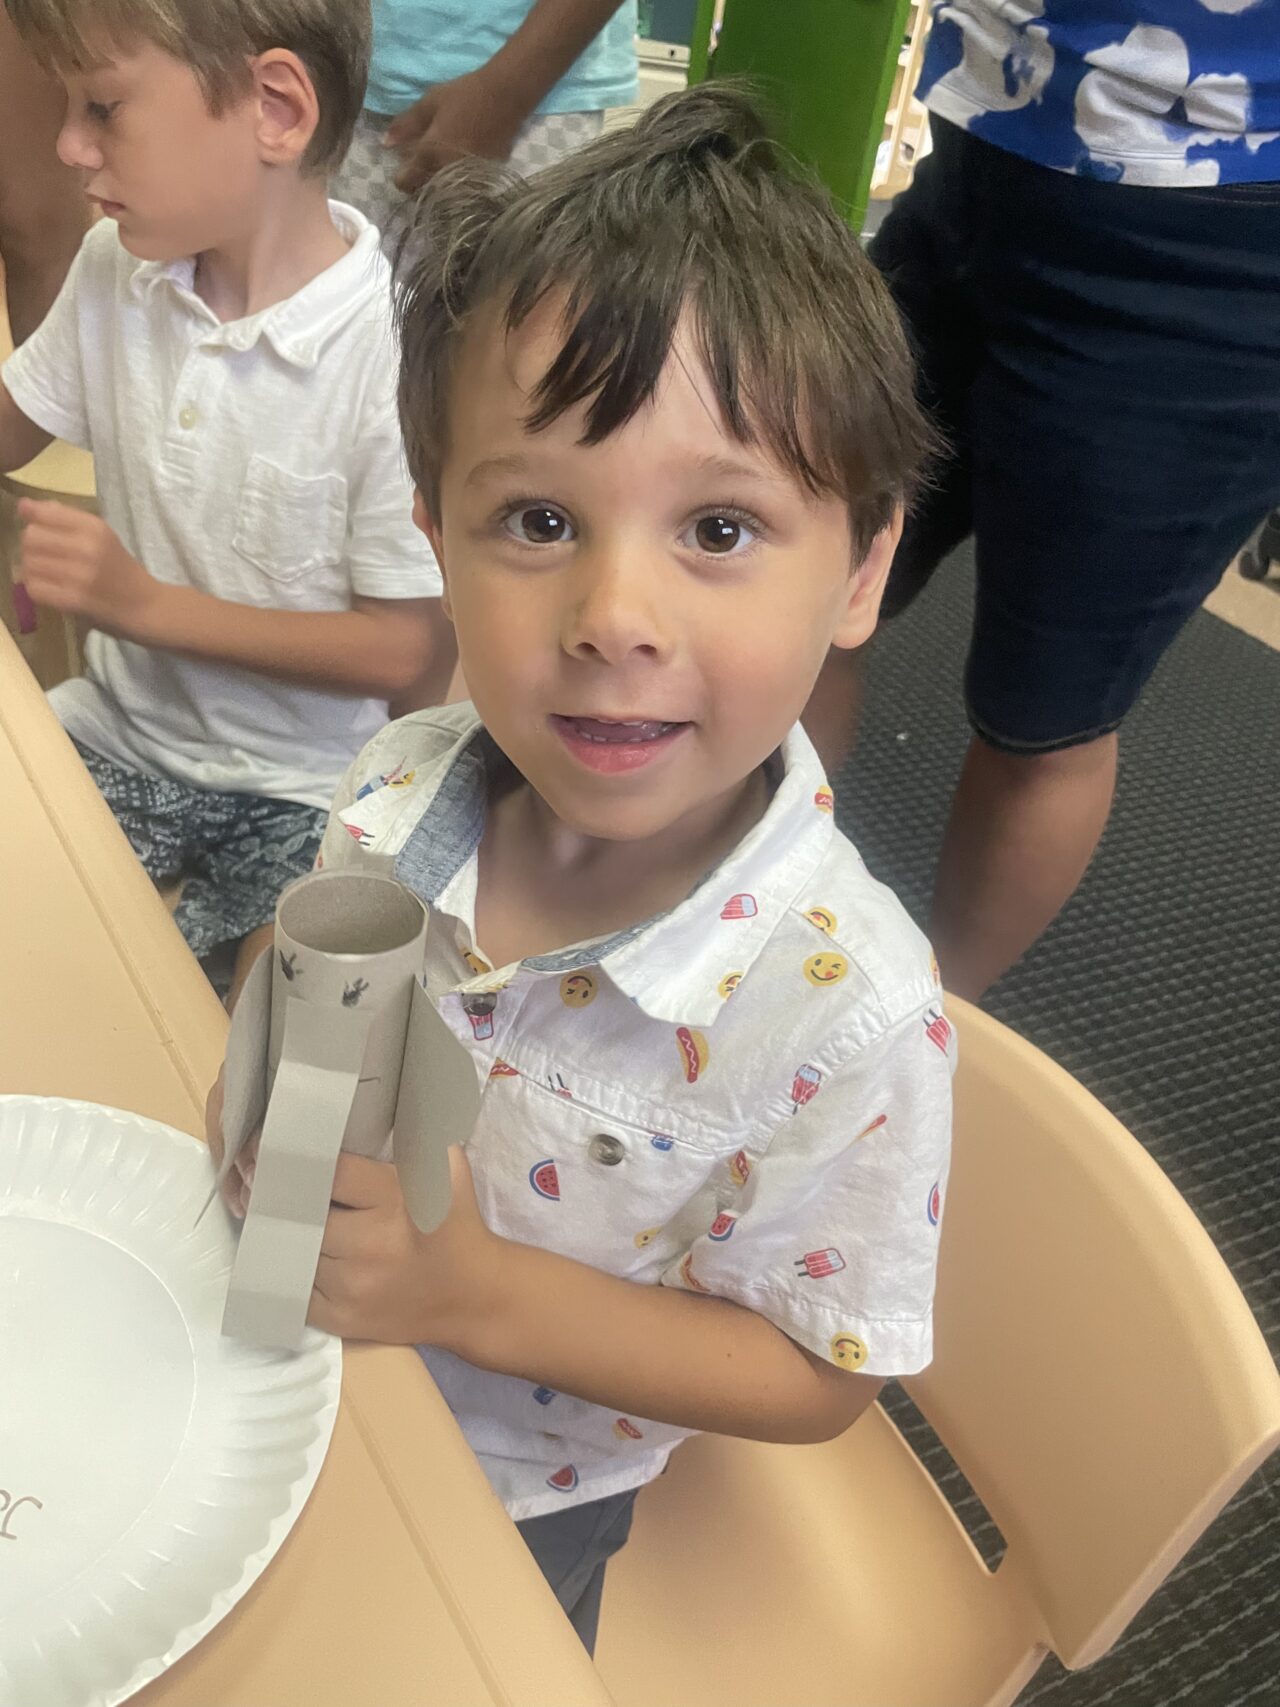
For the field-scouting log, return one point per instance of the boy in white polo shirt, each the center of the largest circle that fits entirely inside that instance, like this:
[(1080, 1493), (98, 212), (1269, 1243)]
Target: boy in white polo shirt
[(660, 414), (223, 345)]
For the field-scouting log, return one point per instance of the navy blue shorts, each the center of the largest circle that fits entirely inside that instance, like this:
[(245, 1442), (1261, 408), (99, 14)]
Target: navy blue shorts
[(1105, 361), (572, 1549)]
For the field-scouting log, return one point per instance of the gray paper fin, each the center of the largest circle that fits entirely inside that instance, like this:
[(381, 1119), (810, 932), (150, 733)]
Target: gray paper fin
[(438, 1104), (244, 1089)]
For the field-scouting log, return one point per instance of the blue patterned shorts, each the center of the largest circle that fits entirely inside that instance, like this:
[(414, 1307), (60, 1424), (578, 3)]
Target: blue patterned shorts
[(236, 851)]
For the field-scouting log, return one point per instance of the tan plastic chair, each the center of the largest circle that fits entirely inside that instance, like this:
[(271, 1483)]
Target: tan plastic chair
[(1098, 1378)]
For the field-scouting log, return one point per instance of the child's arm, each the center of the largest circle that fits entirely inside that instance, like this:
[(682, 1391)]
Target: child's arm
[(75, 563), (648, 1351), (829, 1269), (481, 112), (20, 438)]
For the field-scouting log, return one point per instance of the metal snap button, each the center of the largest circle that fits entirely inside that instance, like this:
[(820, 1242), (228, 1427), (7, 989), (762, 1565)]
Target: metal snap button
[(606, 1150)]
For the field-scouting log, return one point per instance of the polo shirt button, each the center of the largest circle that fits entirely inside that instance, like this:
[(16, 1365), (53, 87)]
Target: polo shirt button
[(188, 417), (606, 1150)]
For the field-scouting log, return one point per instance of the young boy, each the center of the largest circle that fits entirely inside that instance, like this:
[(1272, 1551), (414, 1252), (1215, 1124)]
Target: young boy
[(224, 346), (659, 412)]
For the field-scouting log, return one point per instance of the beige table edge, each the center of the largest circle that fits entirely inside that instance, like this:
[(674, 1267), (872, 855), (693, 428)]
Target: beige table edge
[(509, 1625)]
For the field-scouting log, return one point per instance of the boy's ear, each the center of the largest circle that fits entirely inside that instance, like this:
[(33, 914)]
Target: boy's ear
[(288, 106), (427, 524), (866, 587)]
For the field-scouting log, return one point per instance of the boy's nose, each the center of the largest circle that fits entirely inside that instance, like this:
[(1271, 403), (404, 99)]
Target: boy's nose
[(76, 149), (614, 614)]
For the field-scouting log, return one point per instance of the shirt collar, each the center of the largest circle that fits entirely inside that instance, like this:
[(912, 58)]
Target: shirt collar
[(676, 967), (299, 327)]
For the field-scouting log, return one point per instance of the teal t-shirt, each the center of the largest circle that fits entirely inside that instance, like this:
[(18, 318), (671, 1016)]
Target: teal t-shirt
[(420, 42)]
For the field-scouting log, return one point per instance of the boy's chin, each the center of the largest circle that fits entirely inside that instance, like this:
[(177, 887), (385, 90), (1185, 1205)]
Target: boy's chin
[(617, 820), (147, 246)]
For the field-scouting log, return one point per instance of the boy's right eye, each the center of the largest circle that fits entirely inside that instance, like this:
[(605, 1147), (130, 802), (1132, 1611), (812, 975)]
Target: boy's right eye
[(538, 524)]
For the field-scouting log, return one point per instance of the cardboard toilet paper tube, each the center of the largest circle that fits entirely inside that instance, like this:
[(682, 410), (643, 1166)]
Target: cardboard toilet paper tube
[(353, 943), (319, 1036)]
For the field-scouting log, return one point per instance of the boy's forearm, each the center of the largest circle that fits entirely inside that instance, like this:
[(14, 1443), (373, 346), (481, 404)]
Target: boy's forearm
[(537, 55), (651, 1351), (20, 438), (355, 651)]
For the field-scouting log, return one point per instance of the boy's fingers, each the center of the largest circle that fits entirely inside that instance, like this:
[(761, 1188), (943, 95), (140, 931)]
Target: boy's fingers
[(361, 1184), (213, 1120), (323, 1313), (48, 512), (346, 1234)]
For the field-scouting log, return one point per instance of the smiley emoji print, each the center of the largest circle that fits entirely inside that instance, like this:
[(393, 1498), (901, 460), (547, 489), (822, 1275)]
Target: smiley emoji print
[(577, 990), (823, 969), (848, 1351)]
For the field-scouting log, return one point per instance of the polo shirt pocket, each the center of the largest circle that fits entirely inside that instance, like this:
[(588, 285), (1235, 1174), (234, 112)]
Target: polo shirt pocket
[(290, 526)]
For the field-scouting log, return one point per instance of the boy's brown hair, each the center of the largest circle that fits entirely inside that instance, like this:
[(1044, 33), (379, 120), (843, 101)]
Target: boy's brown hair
[(217, 38), (693, 212)]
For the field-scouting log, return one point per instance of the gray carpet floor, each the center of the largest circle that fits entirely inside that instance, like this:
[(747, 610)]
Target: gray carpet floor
[(1157, 988)]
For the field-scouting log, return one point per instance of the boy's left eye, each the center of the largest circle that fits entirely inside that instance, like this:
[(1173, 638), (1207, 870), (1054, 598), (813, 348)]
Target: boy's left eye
[(718, 535), (538, 524), (100, 111)]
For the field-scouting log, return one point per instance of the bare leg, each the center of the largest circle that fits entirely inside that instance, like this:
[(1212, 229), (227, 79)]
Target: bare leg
[(831, 716), (1022, 831), (43, 213)]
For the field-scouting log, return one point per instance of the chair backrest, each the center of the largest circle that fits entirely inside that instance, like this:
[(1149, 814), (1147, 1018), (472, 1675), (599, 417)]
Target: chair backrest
[(1098, 1375)]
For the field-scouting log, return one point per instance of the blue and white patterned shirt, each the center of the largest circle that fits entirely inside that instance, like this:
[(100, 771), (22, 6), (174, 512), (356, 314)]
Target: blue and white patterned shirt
[(1165, 92)]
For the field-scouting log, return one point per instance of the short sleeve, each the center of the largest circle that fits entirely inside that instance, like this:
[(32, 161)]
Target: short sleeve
[(45, 375), (380, 785), (833, 1234), (388, 557)]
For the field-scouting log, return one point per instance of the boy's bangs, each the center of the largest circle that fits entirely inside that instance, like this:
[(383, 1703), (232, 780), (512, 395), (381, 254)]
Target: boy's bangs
[(614, 352), (65, 40), (621, 330)]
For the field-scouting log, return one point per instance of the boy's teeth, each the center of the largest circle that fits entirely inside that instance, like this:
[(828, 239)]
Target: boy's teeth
[(605, 733)]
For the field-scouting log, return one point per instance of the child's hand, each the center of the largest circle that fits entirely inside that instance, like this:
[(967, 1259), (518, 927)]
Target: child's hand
[(473, 114), (239, 1182), (73, 562), (379, 1278)]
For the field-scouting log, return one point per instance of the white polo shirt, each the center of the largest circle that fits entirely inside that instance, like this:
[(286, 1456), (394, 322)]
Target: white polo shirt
[(259, 460), (749, 1095)]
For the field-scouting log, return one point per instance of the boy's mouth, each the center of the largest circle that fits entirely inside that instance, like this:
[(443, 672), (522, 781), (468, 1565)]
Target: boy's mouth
[(616, 744)]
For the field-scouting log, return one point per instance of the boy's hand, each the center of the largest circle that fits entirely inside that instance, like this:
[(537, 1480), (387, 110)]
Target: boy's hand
[(239, 1182), (73, 562), (379, 1278), (474, 114)]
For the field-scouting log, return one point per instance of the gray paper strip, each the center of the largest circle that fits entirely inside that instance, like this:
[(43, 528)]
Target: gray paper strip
[(271, 1281)]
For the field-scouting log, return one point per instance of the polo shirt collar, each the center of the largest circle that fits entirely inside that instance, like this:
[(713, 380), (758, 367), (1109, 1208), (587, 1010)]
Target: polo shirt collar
[(299, 327), (674, 966)]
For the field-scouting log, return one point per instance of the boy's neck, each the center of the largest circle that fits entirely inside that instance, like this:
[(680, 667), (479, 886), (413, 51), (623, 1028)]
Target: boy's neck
[(544, 887), (289, 239)]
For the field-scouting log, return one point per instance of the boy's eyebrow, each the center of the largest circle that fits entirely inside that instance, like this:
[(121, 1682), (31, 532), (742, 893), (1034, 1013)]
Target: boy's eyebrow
[(711, 466), (717, 467), (495, 465)]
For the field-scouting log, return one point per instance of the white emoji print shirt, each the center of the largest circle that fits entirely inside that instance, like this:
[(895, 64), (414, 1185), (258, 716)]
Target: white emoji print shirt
[(748, 1096)]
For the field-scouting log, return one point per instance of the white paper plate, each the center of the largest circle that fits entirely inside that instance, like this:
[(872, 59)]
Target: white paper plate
[(149, 1469)]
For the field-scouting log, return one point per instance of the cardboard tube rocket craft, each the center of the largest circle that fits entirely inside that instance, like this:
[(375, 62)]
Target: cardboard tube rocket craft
[(335, 1045)]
